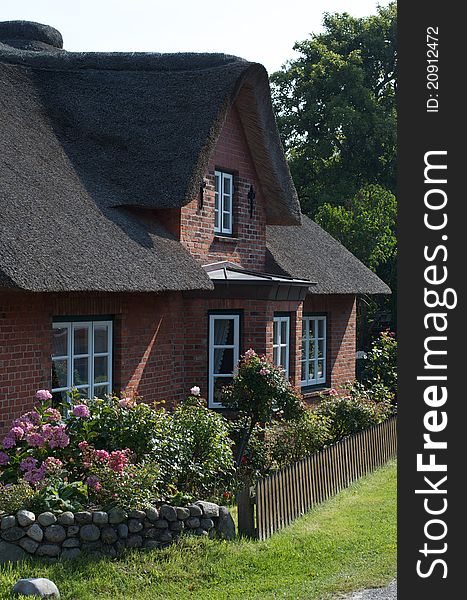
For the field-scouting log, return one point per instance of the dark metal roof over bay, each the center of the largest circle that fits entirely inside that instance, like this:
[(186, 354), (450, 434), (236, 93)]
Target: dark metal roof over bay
[(309, 252)]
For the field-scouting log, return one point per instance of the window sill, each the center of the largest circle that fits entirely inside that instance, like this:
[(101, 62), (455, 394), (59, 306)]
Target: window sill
[(226, 238), (310, 392)]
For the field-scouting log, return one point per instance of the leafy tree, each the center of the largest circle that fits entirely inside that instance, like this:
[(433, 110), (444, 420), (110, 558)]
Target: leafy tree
[(336, 108)]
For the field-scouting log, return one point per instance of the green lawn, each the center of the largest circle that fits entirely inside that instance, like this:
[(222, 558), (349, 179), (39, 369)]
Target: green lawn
[(346, 544)]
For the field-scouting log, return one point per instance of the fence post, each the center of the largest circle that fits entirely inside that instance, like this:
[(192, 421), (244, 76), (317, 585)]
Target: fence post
[(246, 513)]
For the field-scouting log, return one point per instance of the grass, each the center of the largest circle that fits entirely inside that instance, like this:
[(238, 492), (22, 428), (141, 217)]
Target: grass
[(346, 544)]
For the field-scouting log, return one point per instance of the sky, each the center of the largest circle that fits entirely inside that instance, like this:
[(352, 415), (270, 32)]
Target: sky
[(259, 30)]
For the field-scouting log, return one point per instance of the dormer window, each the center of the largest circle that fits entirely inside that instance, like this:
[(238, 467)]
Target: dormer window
[(223, 203)]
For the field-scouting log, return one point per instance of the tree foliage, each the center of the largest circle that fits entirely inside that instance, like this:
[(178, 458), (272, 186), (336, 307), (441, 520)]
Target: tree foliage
[(336, 108)]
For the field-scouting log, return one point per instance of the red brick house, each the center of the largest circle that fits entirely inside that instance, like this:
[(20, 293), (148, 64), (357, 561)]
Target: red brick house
[(151, 232)]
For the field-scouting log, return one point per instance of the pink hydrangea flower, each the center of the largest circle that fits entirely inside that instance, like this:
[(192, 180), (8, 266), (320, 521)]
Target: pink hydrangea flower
[(43, 395), (118, 460), (195, 391), (127, 402), (9, 442), (264, 371), (83, 445), (52, 464), (52, 414), (81, 410), (102, 455), (250, 353), (4, 459), (333, 392), (56, 436)]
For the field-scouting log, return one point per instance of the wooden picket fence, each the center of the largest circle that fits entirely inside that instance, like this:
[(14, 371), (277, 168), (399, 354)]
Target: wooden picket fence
[(275, 501)]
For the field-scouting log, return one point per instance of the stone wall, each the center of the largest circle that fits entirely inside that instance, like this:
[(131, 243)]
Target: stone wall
[(67, 534)]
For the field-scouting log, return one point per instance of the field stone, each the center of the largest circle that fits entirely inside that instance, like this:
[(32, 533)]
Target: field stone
[(201, 531), (70, 553), (47, 518), (134, 541), (209, 508), (25, 517), (134, 526), (50, 550), (152, 514), (161, 524), (28, 544), (165, 536), (66, 518), (99, 517), (168, 512), (71, 543), (73, 530), (192, 523), (10, 553), (206, 524), (195, 511), (117, 515), (147, 524), (137, 514), (13, 534), (151, 544), (83, 517), (89, 533), (109, 535), (122, 530), (177, 525), (35, 532), (7, 522), (39, 587), (225, 528), (182, 513), (55, 533)]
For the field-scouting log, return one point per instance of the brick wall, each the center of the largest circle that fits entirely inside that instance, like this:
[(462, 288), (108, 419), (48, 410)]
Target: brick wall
[(247, 246)]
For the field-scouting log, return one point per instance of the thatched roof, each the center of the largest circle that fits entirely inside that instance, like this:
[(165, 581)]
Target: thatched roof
[(309, 252), (85, 136)]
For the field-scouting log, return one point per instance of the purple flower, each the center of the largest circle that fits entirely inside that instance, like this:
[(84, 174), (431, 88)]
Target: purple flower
[(16, 432), (35, 440), (56, 436), (4, 459), (43, 395), (81, 410), (52, 414), (93, 482), (9, 442), (28, 464), (35, 475)]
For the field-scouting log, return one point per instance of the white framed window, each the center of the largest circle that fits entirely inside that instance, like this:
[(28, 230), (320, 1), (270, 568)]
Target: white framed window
[(224, 353), (82, 358), (223, 203), (281, 342), (313, 350)]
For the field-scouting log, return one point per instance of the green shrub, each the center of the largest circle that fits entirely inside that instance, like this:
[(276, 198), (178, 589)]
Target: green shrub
[(381, 362), (15, 496), (288, 442), (350, 414)]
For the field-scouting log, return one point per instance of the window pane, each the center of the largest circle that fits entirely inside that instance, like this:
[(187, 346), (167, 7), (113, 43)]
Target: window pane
[(223, 361), (59, 397), (84, 392), (59, 373), (226, 221), (303, 349), (101, 338), (219, 383), (283, 356), (60, 342), (312, 370), (227, 204), (311, 328), (321, 349), (284, 336), (227, 186), (304, 370), (223, 332), (305, 325), (321, 328), (218, 183), (80, 340), (320, 369), (276, 332), (101, 390), (216, 219), (311, 349), (101, 369), (80, 371), (276, 355)]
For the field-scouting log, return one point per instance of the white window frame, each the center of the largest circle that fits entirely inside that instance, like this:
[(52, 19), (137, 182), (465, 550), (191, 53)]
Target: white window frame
[(306, 321), (90, 355), (278, 343), (212, 347), (220, 198)]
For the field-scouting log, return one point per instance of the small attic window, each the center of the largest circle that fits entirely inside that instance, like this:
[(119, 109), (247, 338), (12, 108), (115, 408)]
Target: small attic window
[(223, 203)]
